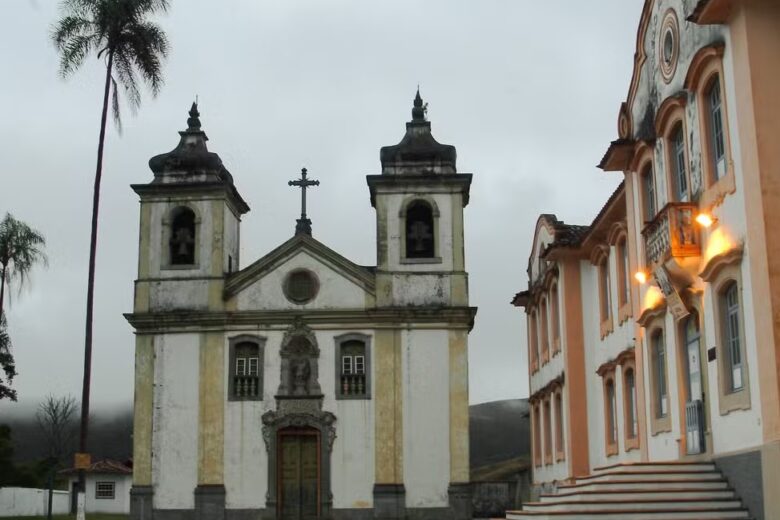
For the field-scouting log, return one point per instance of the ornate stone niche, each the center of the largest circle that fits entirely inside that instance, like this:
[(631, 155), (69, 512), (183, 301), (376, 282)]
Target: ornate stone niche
[(300, 363)]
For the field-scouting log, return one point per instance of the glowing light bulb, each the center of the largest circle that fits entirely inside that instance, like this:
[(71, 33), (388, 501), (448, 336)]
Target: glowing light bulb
[(641, 277), (704, 220)]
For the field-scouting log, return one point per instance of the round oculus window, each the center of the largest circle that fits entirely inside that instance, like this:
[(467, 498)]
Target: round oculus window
[(301, 286), (669, 48)]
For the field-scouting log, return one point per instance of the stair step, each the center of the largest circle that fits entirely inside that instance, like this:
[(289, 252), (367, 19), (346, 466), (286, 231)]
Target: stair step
[(654, 475), (644, 484), (640, 494), (627, 514), (652, 467), (633, 505)]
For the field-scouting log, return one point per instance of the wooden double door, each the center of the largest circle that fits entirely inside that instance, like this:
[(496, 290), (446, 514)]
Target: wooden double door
[(299, 474)]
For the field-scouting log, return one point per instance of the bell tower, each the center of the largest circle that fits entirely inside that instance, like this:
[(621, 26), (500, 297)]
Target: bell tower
[(419, 200), (189, 229)]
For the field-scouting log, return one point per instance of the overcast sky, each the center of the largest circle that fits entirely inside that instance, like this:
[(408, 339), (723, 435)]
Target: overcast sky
[(527, 91)]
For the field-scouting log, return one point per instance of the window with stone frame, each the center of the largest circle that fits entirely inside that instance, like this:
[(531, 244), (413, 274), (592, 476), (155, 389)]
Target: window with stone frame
[(560, 449), (548, 449), (624, 273), (420, 233), (648, 193), (610, 409), (604, 289), (556, 318), (717, 141), (544, 331), (182, 244), (353, 368), (245, 381), (533, 344), (537, 438), (677, 158), (732, 338), (630, 416), (105, 490)]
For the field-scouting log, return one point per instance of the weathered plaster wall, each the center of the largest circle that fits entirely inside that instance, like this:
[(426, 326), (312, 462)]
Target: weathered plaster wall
[(120, 504), (426, 412), (336, 292), (175, 439)]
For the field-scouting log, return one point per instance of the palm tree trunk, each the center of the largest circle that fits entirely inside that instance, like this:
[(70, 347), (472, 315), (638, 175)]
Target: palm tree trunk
[(2, 289), (91, 278)]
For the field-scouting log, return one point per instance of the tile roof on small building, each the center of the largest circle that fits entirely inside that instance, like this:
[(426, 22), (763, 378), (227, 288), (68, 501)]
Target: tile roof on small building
[(104, 467)]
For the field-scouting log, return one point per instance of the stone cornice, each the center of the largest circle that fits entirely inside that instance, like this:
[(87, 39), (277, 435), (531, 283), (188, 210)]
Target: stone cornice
[(390, 317), (153, 191), (716, 264), (453, 181)]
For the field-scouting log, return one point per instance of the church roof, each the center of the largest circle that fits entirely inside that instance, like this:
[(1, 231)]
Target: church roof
[(418, 151), (361, 276)]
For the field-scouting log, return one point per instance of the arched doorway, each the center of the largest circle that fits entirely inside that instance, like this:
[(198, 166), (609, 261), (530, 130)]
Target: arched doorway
[(694, 385)]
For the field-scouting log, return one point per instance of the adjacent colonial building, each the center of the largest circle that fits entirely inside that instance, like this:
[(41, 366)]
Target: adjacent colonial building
[(302, 385), (654, 331)]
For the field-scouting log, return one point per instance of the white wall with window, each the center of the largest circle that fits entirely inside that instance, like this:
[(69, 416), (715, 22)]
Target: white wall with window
[(107, 493)]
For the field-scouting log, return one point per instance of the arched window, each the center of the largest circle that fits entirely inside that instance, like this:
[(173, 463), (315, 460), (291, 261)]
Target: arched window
[(730, 318), (632, 428), (624, 272), (677, 159), (559, 448), (556, 320), (659, 374), (420, 240), (182, 242), (717, 142), (537, 435), (604, 289), (543, 331), (648, 193), (547, 433), (533, 344), (245, 381), (611, 409)]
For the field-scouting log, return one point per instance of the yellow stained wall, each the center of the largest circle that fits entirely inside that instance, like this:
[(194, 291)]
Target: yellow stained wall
[(389, 408), (143, 407), (459, 406), (211, 409)]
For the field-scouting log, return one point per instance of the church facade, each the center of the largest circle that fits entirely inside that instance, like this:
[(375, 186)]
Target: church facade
[(653, 331), (302, 385)]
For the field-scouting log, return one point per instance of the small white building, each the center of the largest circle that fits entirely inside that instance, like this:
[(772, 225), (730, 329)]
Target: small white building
[(108, 487)]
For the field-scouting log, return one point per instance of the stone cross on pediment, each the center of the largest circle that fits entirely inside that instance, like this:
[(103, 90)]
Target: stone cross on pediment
[(303, 224)]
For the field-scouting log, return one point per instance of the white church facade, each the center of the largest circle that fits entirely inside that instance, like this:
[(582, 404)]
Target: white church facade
[(301, 385)]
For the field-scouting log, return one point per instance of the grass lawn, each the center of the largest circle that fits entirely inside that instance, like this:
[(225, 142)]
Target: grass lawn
[(91, 516)]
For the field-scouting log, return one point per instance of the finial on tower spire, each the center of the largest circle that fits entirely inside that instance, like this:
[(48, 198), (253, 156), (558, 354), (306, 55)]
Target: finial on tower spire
[(193, 122), (420, 108)]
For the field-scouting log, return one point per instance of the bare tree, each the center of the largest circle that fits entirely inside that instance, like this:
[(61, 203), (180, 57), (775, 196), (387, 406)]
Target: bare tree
[(56, 418)]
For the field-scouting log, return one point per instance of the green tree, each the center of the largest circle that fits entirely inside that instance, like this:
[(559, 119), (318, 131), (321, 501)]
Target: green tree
[(21, 248), (133, 47), (6, 363)]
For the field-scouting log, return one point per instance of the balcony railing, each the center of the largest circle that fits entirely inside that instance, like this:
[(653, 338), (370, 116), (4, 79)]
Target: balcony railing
[(671, 234)]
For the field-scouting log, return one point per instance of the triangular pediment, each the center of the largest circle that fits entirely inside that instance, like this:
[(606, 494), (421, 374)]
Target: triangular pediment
[(329, 259)]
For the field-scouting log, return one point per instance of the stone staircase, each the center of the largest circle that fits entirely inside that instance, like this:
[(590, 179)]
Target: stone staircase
[(641, 491)]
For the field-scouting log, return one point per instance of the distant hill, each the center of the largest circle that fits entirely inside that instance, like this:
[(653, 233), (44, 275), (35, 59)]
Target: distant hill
[(500, 438)]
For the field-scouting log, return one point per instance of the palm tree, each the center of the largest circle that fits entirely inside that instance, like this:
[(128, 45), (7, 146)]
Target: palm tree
[(21, 248), (119, 32), (6, 363)]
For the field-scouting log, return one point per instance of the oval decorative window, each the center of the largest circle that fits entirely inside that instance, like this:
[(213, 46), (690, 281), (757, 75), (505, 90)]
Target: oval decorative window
[(301, 286), (669, 48)]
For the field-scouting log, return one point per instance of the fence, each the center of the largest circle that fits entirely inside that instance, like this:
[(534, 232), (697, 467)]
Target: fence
[(16, 501)]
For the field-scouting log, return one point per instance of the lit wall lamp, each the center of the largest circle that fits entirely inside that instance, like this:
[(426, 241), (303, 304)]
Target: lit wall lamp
[(641, 277), (705, 220)]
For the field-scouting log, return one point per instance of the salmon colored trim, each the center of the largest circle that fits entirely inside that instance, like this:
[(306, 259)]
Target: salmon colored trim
[(670, 114), (639, 59), (755, 46), (575, 391), (708, 12), (634, 302)]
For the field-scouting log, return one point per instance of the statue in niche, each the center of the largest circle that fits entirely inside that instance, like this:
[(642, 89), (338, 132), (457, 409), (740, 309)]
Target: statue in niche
[(300, 356), (300, 372)]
